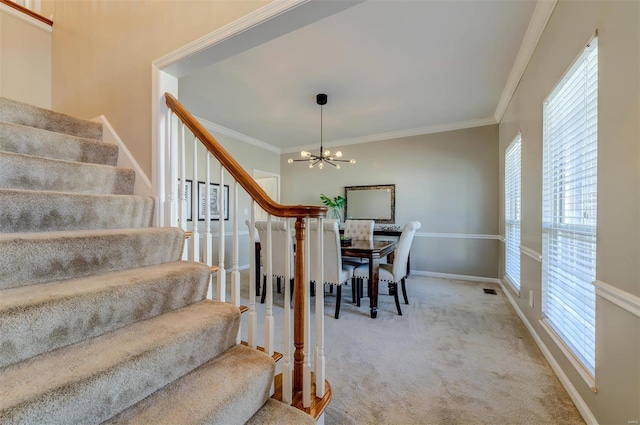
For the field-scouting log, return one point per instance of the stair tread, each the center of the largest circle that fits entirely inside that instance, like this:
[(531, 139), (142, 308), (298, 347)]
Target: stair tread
[(231, 377), (278, 413), (275, 356), (33, 116), (29, 172), (76, 253), (45, 210), (27, 140), (128, 364), (43, 317)]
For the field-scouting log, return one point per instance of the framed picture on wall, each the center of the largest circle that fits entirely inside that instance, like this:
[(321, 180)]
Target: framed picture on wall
[(214, 205), (188, 190)]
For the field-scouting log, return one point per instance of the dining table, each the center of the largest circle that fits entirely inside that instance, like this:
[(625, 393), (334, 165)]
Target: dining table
[(372, 250)]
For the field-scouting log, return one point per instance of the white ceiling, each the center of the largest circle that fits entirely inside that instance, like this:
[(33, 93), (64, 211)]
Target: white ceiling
[(389, 68)]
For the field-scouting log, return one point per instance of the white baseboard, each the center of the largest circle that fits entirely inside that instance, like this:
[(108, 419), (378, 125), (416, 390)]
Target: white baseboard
[(455, 276), (564, 379), (142, 184)]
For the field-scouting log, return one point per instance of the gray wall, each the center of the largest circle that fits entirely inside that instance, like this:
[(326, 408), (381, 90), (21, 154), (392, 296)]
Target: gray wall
[(448, 181), (250, 158), (570, 27)]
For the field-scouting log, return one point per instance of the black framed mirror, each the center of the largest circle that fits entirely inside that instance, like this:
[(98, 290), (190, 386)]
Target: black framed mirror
[(375, 202)]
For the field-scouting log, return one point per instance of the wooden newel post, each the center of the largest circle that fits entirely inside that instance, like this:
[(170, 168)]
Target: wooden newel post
[(299, 289)]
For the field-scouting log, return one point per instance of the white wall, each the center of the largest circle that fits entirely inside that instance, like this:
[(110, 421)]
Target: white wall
[(103, 50), (570, 27), (448, 181), (25, 58)]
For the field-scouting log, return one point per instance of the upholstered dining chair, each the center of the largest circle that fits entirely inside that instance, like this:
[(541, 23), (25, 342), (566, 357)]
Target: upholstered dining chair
[(259, 261), (334, 273), (279, 253), (397, 272), (357, 230)]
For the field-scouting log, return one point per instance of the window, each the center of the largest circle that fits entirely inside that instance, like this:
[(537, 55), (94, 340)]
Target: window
[(512, 196), (569, 190)]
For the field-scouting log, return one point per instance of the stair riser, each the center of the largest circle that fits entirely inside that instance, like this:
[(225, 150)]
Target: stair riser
[(59, 314), (40, 211), (59, 257), (225, 390), (35, 173), (33, 141), (96, 397), (32, 116)]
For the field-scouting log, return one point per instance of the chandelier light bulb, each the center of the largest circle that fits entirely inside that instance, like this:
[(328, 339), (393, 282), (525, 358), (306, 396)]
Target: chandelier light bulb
[(321, 165), (338, 166), (290, 160), (352, 161), (338, 154), (311, 165), (327, 152)]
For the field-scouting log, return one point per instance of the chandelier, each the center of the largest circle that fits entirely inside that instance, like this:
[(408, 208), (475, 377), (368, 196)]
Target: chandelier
[(325, 155)]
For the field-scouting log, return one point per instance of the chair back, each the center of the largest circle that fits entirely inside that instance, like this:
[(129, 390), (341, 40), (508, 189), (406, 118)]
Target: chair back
[(278, 247), (255, 231), (359, 230), (402, 250), (332, 252)]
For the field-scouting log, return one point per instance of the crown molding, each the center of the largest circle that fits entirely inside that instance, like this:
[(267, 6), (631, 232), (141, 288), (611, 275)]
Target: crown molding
[(537, 24), (257, 17), (237, 135), (440, 128)]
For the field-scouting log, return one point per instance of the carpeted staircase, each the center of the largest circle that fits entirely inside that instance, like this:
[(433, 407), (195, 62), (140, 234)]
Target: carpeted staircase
[(100, 321)]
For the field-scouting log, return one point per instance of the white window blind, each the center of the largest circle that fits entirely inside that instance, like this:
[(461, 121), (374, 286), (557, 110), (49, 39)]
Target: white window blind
[(570, 152), (512, 195)]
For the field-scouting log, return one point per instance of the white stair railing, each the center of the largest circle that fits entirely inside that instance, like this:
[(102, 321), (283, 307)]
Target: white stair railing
[(300, 358)]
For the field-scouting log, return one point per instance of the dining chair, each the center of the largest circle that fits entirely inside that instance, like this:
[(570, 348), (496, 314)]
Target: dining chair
[(397, 272), (357, 230), (278, 253), (258, 252), (334, 273)]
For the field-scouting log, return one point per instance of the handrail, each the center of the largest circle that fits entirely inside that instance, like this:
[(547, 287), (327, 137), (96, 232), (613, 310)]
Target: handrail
[(297, 372), (236, 170), (26, 11)]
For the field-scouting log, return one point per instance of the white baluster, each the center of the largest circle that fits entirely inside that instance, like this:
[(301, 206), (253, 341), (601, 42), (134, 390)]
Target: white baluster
[(173, 178), (252, 325), (207, 251), (287, 365), (235, 273), (195, 235), (320, 359), (163, 162), (306, 365), (182, 201), (222, 274), (268, 320)]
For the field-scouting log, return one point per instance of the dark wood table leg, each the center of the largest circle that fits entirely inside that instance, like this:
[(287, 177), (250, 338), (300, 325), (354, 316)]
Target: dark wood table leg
[(374, 264), (257, 271)]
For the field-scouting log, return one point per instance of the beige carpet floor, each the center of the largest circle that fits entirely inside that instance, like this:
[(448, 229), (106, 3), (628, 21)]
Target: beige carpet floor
[(456, 356)]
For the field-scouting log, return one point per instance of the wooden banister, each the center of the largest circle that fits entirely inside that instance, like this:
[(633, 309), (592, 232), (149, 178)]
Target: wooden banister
[(299, 389), (28, 12), (238, 173)]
